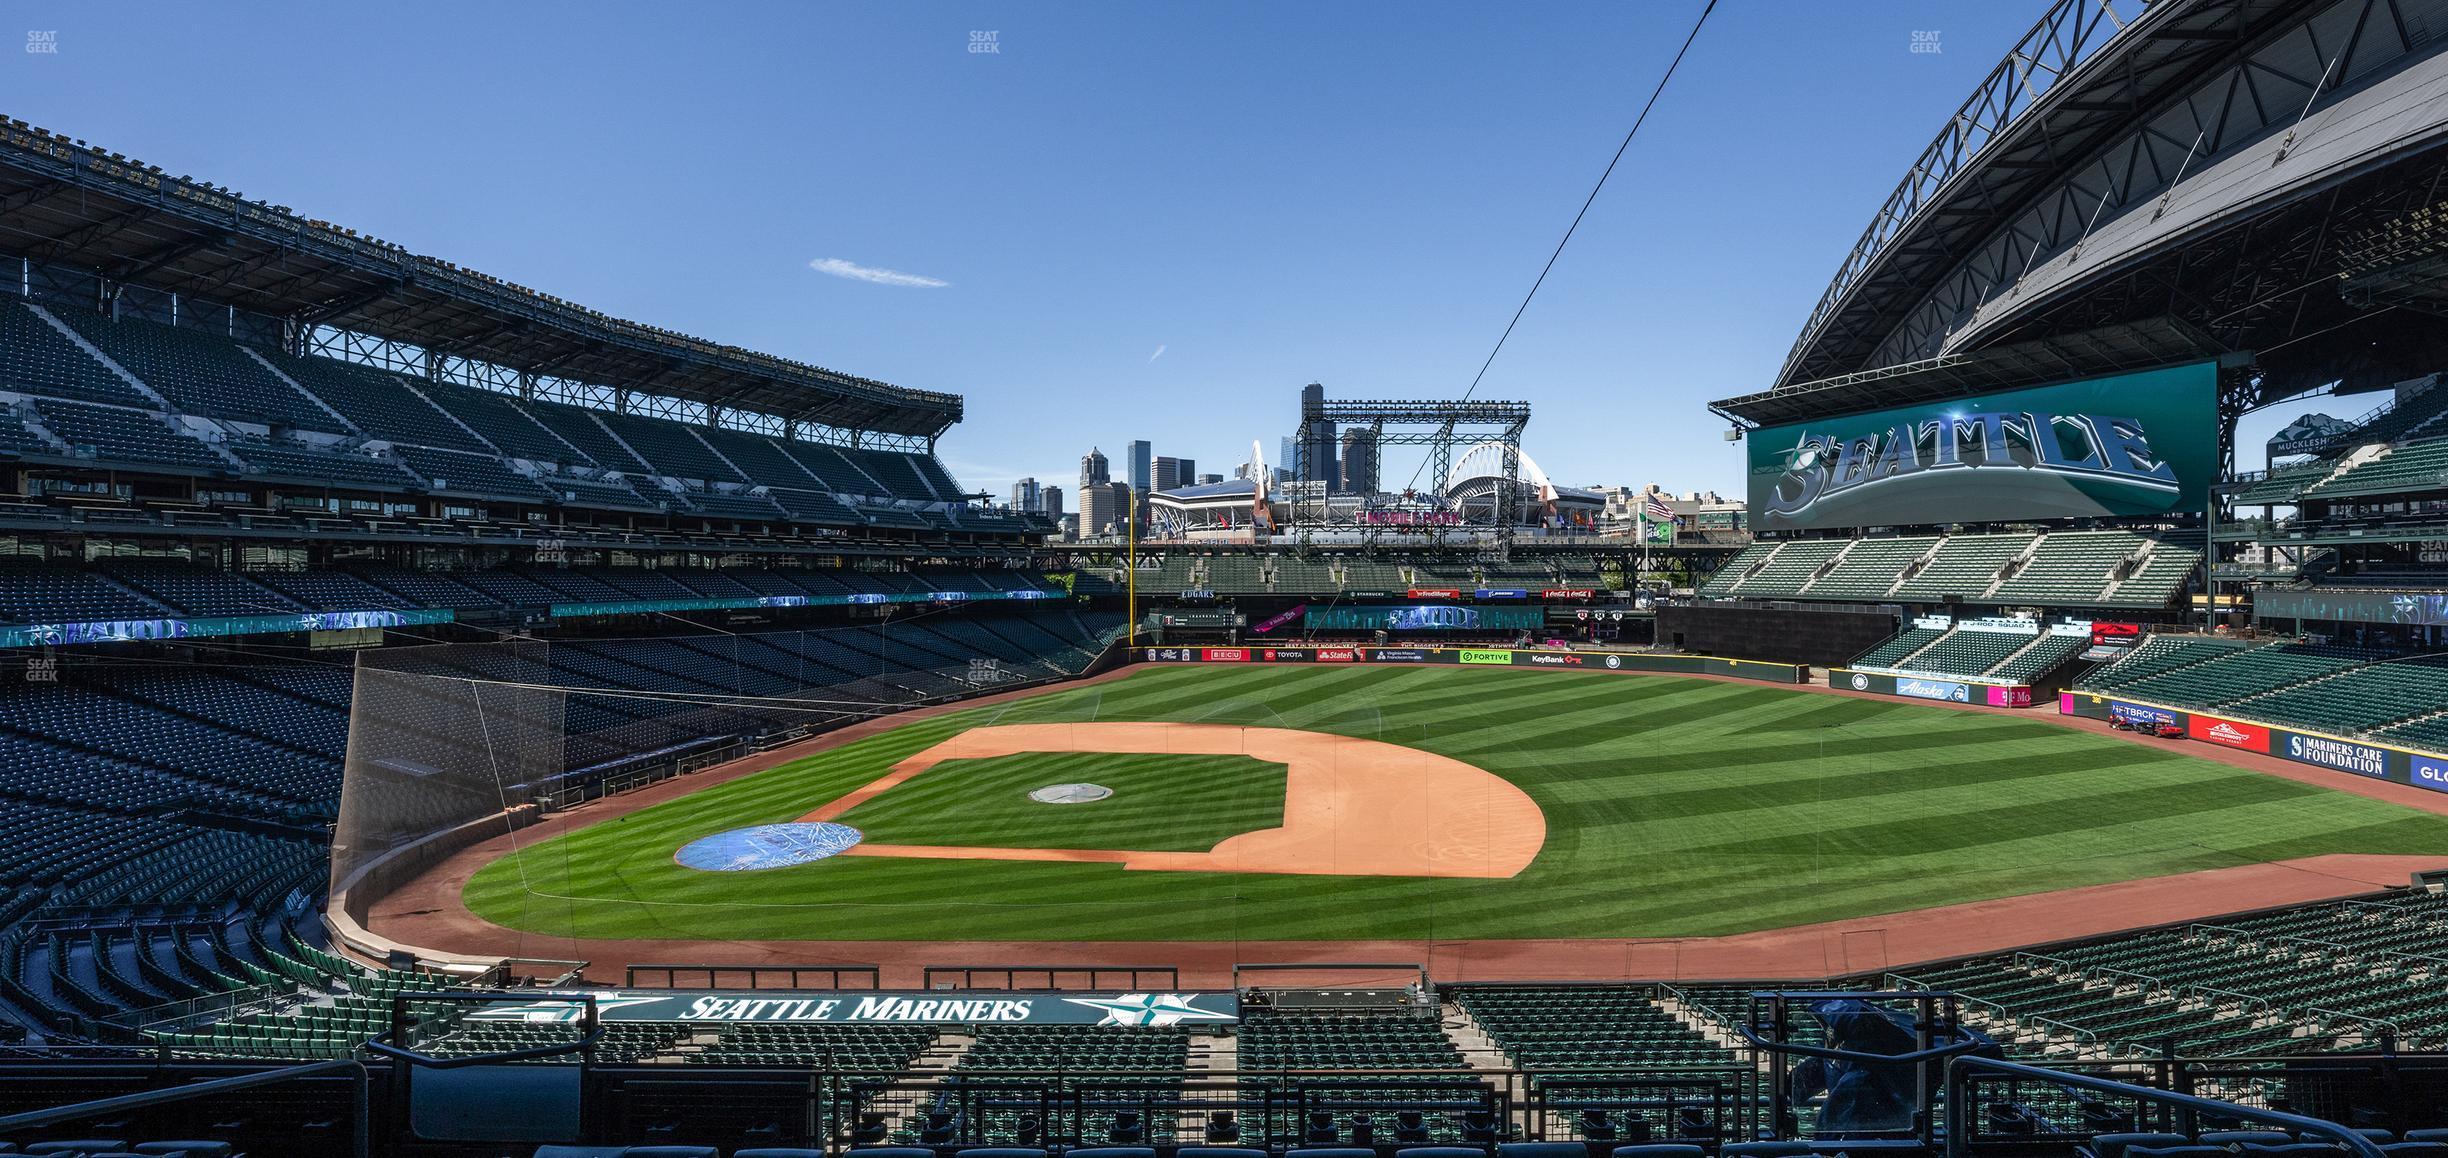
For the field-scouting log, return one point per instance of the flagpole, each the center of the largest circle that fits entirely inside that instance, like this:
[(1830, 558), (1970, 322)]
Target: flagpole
[(1130, 531)]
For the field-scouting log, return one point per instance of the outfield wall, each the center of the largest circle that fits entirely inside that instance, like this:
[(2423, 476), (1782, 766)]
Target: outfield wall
[(1819, 634), (2337, 753), (1614, 661), (1958, 690)]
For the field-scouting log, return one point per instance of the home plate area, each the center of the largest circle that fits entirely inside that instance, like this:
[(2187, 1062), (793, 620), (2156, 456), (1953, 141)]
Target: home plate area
[(1350, 806)]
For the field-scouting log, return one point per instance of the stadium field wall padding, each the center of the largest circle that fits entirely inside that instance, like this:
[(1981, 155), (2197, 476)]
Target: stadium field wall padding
[(1614, 661), (1822, 637), (2337, 753), (1952, 691)]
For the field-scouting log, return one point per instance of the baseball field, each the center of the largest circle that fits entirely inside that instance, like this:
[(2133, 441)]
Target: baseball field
[(1350, 803)]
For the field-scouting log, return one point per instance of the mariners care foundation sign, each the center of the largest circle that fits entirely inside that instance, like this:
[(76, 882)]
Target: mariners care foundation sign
[(866, 1007)]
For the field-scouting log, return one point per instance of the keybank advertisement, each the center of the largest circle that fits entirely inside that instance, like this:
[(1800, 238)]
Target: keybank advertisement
[(2133, 444), (870, 1007)]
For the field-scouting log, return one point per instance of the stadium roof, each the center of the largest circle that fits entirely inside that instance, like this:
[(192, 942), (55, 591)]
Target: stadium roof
[(67, 204), (2193, 158), (2116, 349)]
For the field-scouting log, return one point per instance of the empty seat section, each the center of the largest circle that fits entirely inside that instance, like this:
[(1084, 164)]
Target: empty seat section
[(1964, 566), (577, 426), (2070, 567), (502, 423), (132, 436), (479, 474), (1869, 568), (201, 372), (37, 358), (341, 468), (381, 404), (1790, 568), (672, 447)]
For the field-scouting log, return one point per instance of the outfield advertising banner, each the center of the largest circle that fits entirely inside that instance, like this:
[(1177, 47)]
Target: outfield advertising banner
[(2411, 609), (2229, 733), (2133, 444), (1922, 689), (1607, 661), (1421, 617), (1879, 683), (876, 1007), (2338, 754), (2343, 755)]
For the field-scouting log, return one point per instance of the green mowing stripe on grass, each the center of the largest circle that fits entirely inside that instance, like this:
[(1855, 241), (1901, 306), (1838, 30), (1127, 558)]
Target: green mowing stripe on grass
[(1161, 802), (1675, 807)]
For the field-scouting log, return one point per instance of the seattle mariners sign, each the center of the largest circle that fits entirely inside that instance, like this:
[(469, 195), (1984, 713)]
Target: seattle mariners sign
[(875, 1007)]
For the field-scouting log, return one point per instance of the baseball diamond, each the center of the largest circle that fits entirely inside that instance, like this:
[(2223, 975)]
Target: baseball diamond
[(1672, 807)]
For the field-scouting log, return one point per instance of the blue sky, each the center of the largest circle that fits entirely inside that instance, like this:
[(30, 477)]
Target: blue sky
[(1149, 220)]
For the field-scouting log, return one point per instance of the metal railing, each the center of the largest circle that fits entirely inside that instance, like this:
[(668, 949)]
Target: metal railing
[(2182, 1111), (16, 1125)]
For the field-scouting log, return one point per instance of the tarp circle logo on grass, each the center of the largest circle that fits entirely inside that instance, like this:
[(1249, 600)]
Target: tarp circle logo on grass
[(767, 846)]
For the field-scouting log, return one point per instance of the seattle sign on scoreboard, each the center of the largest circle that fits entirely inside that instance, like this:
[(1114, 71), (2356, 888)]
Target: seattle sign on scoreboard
[(2132, 444)]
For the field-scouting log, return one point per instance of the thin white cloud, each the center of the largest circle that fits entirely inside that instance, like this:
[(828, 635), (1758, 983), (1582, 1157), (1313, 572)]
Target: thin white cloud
[(1158, 354), (841, 267)]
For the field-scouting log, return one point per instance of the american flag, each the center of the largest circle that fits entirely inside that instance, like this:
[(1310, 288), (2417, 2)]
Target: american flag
[(1654, 508)]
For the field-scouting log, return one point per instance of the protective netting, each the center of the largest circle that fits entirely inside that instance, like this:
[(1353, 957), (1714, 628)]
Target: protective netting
[(458, 744)]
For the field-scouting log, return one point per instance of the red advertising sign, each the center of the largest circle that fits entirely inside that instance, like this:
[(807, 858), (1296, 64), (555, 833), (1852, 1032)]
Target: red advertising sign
[(1337, 655), (2250, 737), (1435, 593), (1224, 654), (2115, 634), (1567, 593)]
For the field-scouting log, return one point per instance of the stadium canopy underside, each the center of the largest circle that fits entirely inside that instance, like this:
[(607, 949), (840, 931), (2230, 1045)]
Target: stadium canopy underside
[(67, 206), (2251, 181)]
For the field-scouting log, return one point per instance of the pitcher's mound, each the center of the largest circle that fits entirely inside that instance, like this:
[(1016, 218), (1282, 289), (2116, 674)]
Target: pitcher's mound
[(1070, 793)]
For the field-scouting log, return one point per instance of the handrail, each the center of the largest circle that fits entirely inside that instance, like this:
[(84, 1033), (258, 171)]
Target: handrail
[(356, 1071), (383, 1044), (1959, 1101), (1933, 1053)]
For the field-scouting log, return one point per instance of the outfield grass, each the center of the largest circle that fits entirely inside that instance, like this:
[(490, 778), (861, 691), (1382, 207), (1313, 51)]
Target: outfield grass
[(1161, 803), (1675, 807)]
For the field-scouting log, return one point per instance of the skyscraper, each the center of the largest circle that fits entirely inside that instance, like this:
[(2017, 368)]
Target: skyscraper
[(1169, 473), (1317, 441), (1026, 495), (1092, 470), (1359, 461), (1052, 499), (1142, 465), (1186, 470), (1096, 510)]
